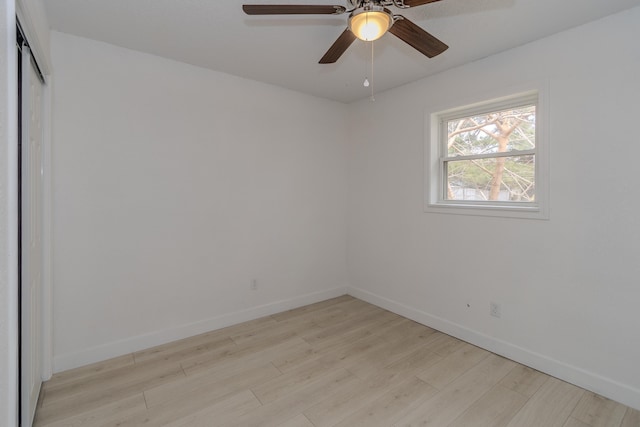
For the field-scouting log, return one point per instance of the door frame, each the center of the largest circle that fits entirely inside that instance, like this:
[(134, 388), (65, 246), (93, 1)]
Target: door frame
[(25, 25), (8, 216)]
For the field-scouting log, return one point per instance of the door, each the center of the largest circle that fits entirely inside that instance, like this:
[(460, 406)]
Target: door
[(31, 238)]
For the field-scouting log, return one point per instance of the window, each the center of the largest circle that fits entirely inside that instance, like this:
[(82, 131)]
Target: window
[(488, 159)]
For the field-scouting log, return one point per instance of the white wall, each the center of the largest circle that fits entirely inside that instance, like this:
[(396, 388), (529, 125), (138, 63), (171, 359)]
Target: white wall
[(174, 187), (8, 217), (568, 286)]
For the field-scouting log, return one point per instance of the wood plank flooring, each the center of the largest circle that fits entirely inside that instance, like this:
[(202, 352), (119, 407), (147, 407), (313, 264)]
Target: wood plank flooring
[(341, 362)]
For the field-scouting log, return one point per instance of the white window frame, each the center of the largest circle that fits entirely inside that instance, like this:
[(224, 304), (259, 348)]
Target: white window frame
[(435, 153)]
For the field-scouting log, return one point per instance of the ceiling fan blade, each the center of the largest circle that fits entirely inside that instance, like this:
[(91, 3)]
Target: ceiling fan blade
[(413, 3), (417, 38), (292, 9), (338, 47)]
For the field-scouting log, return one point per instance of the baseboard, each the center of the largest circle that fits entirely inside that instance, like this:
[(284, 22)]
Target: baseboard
[(141, 342), (611, 389)]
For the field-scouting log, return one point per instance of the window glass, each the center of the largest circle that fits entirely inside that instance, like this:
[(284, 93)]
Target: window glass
[(503, 179)]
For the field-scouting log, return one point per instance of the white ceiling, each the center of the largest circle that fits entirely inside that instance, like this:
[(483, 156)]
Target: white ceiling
[(284, 51)]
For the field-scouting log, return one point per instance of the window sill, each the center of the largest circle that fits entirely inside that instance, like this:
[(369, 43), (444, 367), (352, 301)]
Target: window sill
[(494, 210)]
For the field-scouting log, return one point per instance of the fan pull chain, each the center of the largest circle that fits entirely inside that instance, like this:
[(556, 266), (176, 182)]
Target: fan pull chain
[(368, 83), (366, 79), (372, 98)]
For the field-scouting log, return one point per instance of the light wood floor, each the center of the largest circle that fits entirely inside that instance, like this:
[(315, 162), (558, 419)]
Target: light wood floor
[(341, 362)]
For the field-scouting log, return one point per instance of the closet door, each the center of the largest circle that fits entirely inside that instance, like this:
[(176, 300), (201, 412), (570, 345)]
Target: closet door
[(31, 238)]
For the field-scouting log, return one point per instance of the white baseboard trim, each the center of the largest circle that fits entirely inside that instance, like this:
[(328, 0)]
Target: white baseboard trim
[(611, 389), (129, 345)]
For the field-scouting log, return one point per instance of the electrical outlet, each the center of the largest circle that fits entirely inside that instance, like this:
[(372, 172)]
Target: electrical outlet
[(494, 309), (254, 285)]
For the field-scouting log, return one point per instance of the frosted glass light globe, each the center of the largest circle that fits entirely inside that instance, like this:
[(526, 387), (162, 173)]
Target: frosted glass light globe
[(370, 25)]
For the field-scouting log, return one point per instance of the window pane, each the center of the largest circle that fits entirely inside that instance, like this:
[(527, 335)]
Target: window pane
[(500, 179), (495, 132)]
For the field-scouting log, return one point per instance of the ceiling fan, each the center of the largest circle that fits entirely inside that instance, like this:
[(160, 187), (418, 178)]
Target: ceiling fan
[(368, 20)]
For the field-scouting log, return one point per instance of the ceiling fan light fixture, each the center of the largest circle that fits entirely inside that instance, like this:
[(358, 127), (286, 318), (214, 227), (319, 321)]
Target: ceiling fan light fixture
[(370, 23)]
